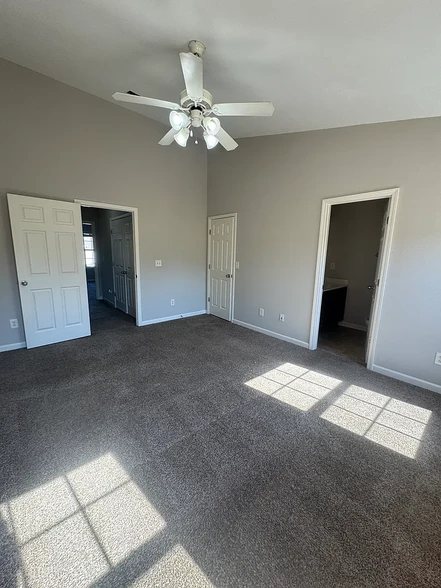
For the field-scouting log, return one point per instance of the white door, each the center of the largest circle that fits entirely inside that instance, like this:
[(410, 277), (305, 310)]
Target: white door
[(373, 287), (123, 264), (220, 266), (48, 245)]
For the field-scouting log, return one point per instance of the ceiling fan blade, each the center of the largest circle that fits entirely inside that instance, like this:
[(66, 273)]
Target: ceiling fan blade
[(225, 140), (135, 99), (168, 138), (192, 68), (244, 109)]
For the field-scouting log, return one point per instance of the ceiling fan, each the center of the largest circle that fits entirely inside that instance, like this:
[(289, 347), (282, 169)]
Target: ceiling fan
[(196, 109)]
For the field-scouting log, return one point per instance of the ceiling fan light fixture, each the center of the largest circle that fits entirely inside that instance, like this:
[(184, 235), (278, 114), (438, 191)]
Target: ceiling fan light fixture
[(212, 125), (178, 120), (181, 137), (210, 140)]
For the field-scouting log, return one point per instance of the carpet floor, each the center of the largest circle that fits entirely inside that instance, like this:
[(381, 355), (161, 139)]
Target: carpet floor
[(198, 453)]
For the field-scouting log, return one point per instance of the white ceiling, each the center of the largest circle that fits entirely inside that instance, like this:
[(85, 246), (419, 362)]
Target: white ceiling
[(323, 63)]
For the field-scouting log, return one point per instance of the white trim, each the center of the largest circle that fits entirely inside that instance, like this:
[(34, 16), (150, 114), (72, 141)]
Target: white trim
[(12, 346), (408, 379), (134, 211), (97, 267), (352, 326), (327, 203), (233, 285), (271, 334), (164, 319)]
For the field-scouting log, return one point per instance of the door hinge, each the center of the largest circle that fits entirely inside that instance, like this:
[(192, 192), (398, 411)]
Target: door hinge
[(209, 231), (208, 299), (209, 266), (387, 220)]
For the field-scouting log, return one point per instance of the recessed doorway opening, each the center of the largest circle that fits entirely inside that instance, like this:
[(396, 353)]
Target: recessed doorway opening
[(353, 256)]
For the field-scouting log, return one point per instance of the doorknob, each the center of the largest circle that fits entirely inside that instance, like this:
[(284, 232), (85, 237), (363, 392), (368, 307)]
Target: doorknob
[(23, 283), (123, 272), (371, 287), (229, 276)]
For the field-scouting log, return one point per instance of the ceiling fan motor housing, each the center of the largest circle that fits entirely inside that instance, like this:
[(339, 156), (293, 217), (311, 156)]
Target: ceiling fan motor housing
[(205, 104)]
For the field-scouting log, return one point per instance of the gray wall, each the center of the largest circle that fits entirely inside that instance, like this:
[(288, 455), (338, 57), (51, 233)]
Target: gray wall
[(276, 185), (58, 142), (354, 238)]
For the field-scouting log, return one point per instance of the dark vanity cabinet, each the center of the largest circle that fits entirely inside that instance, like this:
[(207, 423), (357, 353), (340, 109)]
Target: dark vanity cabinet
[(333, 307)]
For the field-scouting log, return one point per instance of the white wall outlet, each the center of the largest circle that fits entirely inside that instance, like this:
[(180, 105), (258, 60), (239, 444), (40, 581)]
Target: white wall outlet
[(282, 317), (237, 265), (261, 312), (332, 265), (172, 302), (437, 358), (158, 262), (14, 323)]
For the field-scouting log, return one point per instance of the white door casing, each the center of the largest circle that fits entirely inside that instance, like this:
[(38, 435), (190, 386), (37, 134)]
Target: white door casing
[(221, 261), (48, 246), (382, 266), (123, 263)]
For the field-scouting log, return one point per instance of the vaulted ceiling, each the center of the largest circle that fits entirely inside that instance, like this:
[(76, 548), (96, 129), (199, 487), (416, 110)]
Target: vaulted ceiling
[(323, 63)]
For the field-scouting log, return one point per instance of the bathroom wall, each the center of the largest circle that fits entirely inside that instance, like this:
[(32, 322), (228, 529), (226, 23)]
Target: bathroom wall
[(354, 238)]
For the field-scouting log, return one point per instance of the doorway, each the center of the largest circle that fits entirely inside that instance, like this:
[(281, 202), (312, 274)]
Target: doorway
[(114, 285), (354, 249), (221, 265)]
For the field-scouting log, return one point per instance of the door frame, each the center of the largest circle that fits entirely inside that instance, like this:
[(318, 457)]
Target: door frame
[(393, 195), (134, 211), (113, 261), (232, 291)]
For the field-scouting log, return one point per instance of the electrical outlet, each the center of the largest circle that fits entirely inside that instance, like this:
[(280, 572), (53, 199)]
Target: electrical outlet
[(282, 317), (172, 302), (237, 265), (14, 323), (158, 262), (332, 265), (261, 312), (437, 358)]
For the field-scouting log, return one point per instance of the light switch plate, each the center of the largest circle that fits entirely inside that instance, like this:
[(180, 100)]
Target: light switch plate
[(261, 312), (237, 265), (332, 265), (437, 358), (158, 262)]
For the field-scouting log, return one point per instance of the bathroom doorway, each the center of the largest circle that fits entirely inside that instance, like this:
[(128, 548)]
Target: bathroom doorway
[(354, 248)]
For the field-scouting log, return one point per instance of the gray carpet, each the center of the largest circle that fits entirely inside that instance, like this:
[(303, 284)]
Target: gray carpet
[(140, 457)]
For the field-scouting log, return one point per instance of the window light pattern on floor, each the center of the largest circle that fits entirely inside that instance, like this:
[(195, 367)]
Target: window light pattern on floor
[(294, 385), (74, 529), (389, 422)]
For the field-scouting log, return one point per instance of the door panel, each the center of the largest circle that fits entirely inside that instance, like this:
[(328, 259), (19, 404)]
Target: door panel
[(50, 269), (123, 263), (221, 266), (377, 280)]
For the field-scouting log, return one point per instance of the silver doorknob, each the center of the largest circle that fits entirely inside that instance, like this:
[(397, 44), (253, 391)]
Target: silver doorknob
[(23, 283), (123, 272), (371, 287), (228, 276)]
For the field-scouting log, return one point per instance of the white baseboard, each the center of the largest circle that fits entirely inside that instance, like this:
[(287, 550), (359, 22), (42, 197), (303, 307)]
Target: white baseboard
[(12, 346), (408, 379), (272, 334), (111, 302), (164, 319), (352, 326)]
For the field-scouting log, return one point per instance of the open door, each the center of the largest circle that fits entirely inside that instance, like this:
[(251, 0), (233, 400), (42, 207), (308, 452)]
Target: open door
[(123, 263), (49, 257), (373, 287)]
